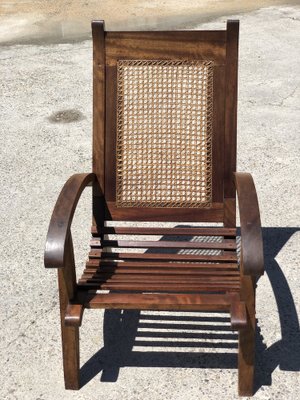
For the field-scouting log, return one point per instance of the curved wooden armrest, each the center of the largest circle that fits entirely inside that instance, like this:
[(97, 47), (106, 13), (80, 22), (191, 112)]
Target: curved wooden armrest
[(251, 235), (61, 219)]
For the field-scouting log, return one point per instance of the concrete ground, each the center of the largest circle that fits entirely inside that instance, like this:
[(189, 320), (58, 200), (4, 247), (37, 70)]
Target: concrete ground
[(46, 102)]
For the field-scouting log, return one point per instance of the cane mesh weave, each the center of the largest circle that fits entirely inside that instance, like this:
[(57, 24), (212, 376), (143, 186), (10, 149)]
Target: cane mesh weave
[(164, 133)]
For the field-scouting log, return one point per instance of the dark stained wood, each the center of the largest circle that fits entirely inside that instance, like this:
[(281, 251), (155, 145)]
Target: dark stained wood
[(68, 275), (238, 314), (73, 315), (164, 287), (69, 335), (62, 218), (160, 278), (160, 301), (180, 36), (70, 347), (93, 264), (231, 106), (218, 134), (230, 212), (162, 273), (110, 144), (98, 120), (187, 45), (215, 231), (246, 354), (228, 257), (99, 101), (165, 244), (167, 280), (251, 235), (213, 214)]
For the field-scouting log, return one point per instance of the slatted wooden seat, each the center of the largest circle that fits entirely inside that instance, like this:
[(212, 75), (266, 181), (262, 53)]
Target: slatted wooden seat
[(158, 270), (164, 150)]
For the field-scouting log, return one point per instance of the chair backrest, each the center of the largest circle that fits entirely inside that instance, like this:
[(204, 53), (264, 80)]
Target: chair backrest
[(164, 144)]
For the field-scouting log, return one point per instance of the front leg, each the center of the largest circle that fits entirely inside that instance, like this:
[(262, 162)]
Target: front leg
[(246, 354)]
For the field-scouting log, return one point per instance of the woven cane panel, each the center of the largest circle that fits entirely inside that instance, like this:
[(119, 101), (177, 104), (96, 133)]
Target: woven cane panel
[(164, 133)]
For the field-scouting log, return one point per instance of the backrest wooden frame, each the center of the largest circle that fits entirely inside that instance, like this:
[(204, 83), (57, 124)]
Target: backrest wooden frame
[(219, 46)]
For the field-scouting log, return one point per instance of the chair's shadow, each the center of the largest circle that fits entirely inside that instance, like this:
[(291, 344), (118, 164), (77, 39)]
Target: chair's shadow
[(125, 329)]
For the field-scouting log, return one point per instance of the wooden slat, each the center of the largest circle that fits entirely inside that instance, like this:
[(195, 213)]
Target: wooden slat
[(217, 231), (160, 301), (161, 279), (229, 245), (160, 271), (228, 257), (175, 287), (95, 263)]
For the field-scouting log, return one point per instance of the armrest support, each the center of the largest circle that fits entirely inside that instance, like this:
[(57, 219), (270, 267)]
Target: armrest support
[(251, 235), (61, 219)]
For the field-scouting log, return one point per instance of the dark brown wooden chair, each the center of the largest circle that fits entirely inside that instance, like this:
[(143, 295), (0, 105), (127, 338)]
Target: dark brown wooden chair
[(164, 149)]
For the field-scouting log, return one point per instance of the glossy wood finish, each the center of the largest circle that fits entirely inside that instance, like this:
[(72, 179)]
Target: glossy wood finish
[(166, 45), (246, 354), (99, 101), (213, 214), (59, 254), (178, 45), (59, 228), (164, 256), (188, 268), (74, 314), (203, 231), (251, 235), (232, 40)]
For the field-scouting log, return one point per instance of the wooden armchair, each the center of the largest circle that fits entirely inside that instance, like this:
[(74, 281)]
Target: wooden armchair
[(164, 149)]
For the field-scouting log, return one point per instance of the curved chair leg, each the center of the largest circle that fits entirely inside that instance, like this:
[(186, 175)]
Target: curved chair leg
[(70, 347), (246, 354)]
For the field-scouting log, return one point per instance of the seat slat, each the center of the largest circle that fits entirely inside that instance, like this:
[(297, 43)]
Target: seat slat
[(213, 231), (183, 287), (96, 263), (228, 257), (161, 271), (229, 244), (107, 277)]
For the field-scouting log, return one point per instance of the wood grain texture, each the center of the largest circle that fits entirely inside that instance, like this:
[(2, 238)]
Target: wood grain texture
[(218, 134), (231, 89), (191, 231), (251, 235), (62, 218), (238, 313), (98, 101), (166, 278), (69, 335), (228, 257), (158, 266), (213, 214), (187, 45), (73, 314), (160, 301), (246, 354), (229, 245)]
